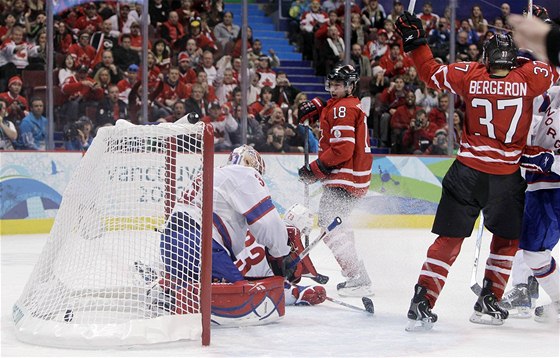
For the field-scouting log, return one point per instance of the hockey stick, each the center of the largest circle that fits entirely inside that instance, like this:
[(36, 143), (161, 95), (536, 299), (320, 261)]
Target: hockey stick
[(411, 5), (475, 287), (306, 163), (368, 304), (337, 221)]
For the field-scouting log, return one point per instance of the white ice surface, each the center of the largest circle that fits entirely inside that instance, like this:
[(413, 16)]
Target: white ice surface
[(393, 259)]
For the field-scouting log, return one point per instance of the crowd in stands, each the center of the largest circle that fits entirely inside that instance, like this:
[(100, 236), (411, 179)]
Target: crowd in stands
[(194, 65)]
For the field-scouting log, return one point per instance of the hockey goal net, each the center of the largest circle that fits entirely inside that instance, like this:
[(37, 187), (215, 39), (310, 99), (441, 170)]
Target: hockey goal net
[(98, 280)]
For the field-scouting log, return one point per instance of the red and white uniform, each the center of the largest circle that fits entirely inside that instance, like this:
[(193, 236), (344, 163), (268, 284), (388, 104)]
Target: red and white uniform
[(344, 145), (498, 109)]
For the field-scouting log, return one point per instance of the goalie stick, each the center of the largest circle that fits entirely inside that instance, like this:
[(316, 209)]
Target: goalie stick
[(475, 287), (337, 221), (368, 304)]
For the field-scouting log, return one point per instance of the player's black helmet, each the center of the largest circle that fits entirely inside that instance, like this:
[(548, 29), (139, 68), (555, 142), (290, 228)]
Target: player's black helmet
[(345, 73), (500, 51)]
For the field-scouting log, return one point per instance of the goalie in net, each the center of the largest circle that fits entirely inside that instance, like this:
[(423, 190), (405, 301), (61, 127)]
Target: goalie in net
[(248, 234)]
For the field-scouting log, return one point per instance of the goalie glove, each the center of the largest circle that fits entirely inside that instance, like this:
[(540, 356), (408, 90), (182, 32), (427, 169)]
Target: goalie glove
[(410, 28), (537, 159), (283, 266), (315, 171), (310, 111)]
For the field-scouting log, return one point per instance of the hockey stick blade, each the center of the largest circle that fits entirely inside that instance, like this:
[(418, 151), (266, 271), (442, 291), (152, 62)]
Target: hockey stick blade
[(475, 287), (320, 279), (368, 305)]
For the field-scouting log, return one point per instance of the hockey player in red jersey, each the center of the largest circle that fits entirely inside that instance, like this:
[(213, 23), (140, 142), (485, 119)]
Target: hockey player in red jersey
[(344, 168), (485, 176)]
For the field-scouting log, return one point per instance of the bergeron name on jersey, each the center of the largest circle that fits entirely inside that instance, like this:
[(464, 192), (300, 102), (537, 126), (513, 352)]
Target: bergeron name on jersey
[(504, 88)]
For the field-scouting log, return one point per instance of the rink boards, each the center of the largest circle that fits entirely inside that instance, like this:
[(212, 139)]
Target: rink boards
[(404, 190)]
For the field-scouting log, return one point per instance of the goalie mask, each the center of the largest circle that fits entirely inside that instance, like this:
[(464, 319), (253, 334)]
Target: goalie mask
[(300, 217), (346, 74), (247, 156), (500, 51)]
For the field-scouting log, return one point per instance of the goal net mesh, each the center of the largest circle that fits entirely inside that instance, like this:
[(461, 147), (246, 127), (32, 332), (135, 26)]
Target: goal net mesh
[(104, 274)]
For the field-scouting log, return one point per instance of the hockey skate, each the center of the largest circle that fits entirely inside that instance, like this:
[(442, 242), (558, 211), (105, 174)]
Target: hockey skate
[(548, 313), (517, 301), (356, 286), (420, 316), (309, 295), (521, 299), (486, 308)]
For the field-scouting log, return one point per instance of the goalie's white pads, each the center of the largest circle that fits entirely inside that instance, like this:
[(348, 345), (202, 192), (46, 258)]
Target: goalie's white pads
[(300, 217)]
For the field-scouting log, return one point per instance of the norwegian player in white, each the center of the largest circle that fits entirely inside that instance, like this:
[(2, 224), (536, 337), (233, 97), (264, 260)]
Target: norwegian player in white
[(247, 231), (541, 219)]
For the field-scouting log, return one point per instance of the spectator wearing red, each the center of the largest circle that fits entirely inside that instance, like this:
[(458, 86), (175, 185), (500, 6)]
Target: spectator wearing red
[(395, 62), (171, 91), (237, 47), (400, 121), (438, 115), (5, 30), (202, 41), (262, 110), (136, 38), (90, 21), (420, 134), (322, 32), (84, 52), (80, 89), (16, 105), (154, 73), (111, 108), (187, 73), (209, 90), (16, 50), (171, 30), (125, 85)]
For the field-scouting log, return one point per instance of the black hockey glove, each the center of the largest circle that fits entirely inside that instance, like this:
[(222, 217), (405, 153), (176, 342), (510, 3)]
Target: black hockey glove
[(283, 266), (315, 171), (410, 28), (310, 111)]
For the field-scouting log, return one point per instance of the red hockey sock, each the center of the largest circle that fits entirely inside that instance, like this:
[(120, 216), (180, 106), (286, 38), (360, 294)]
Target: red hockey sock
[(441, 255), (499, 263)]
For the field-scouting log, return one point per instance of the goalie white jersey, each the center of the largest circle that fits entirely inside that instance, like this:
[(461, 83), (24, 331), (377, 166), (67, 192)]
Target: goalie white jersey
[(242, 202)]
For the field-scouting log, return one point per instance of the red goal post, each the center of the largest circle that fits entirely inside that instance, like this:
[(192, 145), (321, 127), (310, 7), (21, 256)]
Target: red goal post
[(100, 279)]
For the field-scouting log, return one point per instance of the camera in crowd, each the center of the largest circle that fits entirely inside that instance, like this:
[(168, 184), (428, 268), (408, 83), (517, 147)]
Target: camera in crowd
[(72, 130)]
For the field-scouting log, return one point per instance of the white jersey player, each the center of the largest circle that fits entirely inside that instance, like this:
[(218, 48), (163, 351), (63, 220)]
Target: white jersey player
[(541, 222), (241, 205)]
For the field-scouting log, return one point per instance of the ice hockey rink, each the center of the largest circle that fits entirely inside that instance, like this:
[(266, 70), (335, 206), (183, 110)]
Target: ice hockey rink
[(393, 259)]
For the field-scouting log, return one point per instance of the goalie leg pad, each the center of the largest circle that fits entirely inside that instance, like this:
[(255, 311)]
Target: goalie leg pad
[(305, 266), (248, 303)]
